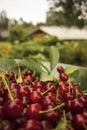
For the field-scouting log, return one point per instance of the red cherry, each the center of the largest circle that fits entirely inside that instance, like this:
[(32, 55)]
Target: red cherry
[(63, 77), (35, 97), (53, 116), (13, 108), (24, 91), (76, 106), (68, 96), (64, 88), (51, 95), (28, 72), (78, 122), (32, 125), (60, 69), (47, 100), (47, 125), (33, 111)]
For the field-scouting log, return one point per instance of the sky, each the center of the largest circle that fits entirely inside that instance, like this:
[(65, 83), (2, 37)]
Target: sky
[(30, 10)]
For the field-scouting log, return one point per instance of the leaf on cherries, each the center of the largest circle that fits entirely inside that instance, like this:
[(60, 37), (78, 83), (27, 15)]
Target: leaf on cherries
[(54, 56), (72, 71), (62, 125), (46, 77)]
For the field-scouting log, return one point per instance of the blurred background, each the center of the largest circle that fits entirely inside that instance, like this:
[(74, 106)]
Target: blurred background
[(28, 28)]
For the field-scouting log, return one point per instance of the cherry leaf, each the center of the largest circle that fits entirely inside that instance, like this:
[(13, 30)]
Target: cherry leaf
[(72, 71), (54, 56)]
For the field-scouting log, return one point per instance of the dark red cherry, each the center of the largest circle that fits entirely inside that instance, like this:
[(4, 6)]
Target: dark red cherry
[(76, 106), (33, 111), (52, 95), (47, 100), (13, 108), (24, 91), (63, 77), (32, 125), (67, 97), (53, 116), (60, 69), (29, 72), (79, 121), (35, 97), (47, 125)]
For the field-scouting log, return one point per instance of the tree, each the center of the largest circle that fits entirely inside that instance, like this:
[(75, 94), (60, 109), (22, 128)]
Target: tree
[(67, 12), (17, 33), (3, 20)]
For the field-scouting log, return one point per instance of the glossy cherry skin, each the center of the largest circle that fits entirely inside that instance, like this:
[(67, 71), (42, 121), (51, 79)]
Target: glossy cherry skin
[(35, 97), (46, 101), (53, 116), (60, 69), (32, 125), (33, 111), (47, 125), (13, 108), (76, 106), (24, 91), (78, 122), (63, 77)]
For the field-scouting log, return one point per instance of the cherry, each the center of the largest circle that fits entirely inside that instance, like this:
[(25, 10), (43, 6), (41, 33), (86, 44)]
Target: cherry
[(47, 125), (24, 91), (79, 121), (32, 124), (51, 95), (53, 116), (35, 97), (60, 69), (68, 105), (28, 72), (38, 84), (64, 88), (25, 100), (50, 85), (47, 100), (1, 112), (63, 77), (33, 111), (68, 96), (76, 106), (13, 108), (15, 86)]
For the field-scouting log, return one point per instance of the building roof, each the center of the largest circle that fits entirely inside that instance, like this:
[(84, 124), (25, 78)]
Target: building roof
[(65, 33)]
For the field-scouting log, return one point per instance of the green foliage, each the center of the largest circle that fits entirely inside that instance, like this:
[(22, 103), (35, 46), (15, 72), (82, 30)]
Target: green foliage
[(53, 57), (72, 71), (67, 12), (17, 34), (73, 52)]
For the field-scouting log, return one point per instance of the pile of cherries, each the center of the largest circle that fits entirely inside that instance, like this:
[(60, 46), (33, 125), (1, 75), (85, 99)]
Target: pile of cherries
[(27, 103)]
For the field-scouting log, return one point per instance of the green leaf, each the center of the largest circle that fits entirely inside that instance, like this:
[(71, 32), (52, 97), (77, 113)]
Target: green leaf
[(62, 124), (72, 71), (54, 56), (32, 64), (46, 77), (7, 64)]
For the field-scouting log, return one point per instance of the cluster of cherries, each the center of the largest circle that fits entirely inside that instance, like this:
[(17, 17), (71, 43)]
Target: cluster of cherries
[(31, 104)]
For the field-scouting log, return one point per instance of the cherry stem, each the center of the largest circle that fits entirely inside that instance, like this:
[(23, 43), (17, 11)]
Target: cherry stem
[(8, 88), (84, 125), (52, 109), (47, 90), (70, 127), (69, 83)]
